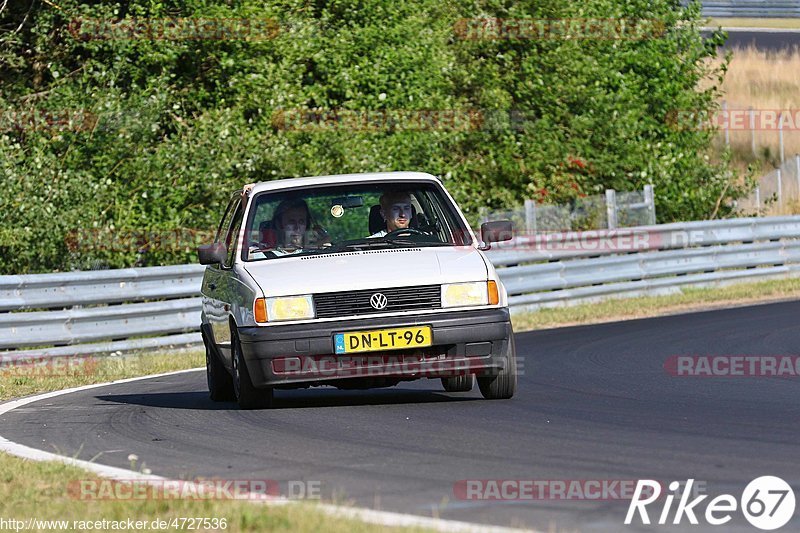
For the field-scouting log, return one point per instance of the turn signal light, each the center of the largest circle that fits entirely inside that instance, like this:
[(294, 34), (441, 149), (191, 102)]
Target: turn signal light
[(260, 310), (494, 295)]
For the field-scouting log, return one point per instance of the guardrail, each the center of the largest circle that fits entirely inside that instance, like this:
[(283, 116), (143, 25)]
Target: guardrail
[(571, 267), (120, 310), (128, 309), (750, 8)]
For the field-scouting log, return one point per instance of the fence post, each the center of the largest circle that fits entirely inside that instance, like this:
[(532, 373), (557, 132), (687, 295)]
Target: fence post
[(650, 200), (727, 120), (780, 133), (797, 173), (611, 208), (530, 216), (758, 200), (752, 130)]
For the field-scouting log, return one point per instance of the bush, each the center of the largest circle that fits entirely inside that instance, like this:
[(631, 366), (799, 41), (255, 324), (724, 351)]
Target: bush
[(162, 131)]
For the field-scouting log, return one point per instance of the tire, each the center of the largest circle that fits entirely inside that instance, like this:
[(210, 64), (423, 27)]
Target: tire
[(247, 396), (461, 383), (220, 382), (502, 385)]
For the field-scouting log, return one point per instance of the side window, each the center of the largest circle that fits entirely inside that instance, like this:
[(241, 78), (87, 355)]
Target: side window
[(261, 218), (225, 224), (436, 217), (233, 236)]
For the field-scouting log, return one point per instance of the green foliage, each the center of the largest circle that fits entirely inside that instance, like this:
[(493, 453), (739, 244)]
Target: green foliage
[(163, 130)]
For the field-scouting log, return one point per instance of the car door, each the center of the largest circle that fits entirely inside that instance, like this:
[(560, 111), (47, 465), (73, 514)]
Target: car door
[(215, 290)]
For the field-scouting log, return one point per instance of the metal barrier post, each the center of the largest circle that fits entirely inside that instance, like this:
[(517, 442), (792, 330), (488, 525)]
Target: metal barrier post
[(611, 208), (530, 216), (650, 200)]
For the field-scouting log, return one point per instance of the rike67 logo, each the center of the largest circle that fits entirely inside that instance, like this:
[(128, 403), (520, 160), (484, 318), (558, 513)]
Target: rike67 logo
[(767, 502)]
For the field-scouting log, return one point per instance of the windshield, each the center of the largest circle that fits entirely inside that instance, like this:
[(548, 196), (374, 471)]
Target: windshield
[(340, 218)]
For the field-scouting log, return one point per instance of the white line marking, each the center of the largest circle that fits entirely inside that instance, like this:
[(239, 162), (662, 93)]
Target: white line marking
[(383, 518)]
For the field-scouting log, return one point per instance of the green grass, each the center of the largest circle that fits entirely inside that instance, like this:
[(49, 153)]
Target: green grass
[(39, 490), (62, 373), (648, 306), (788, 23)]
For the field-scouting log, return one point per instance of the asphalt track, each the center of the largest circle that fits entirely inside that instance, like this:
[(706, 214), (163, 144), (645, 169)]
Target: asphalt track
[(763, 39), (594, 403)]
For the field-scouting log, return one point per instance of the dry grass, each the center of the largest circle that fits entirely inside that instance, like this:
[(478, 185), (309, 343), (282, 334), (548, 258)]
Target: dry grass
[(765, 81), (769, 83), (787, 23)]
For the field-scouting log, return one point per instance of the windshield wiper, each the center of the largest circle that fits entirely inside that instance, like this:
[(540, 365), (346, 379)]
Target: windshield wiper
[(359, 244), (402, 242), (376, 242), (407, 242)]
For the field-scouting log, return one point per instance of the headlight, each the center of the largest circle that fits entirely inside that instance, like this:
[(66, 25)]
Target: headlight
[(465, 294), (286, 308)]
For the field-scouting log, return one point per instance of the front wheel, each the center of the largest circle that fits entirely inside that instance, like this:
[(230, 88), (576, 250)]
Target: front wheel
[(502, 385), (220, 383), (247, 396)]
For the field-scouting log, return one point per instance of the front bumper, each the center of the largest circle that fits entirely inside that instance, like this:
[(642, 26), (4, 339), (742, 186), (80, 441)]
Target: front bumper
[(475, 341)]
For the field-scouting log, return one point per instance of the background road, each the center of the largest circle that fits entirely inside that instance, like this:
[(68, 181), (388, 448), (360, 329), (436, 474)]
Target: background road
[(763, 39), (594, 402)]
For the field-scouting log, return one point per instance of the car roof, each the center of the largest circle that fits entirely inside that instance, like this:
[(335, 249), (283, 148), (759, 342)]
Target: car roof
[(341, 178)]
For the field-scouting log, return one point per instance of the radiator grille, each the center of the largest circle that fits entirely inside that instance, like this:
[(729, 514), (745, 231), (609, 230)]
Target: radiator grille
[(349, 303)]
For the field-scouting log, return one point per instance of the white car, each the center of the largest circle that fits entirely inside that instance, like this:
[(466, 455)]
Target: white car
[(355, 281)]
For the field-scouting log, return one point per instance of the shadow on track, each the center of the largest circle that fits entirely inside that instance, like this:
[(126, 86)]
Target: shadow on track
[(291, 399)]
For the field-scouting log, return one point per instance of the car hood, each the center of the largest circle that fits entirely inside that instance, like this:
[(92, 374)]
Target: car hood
[(368, 269)]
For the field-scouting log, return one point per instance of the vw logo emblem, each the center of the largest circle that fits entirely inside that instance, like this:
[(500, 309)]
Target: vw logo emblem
[(378, 301)]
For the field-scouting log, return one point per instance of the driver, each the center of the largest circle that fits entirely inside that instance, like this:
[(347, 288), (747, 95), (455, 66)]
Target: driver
[(396, 212)]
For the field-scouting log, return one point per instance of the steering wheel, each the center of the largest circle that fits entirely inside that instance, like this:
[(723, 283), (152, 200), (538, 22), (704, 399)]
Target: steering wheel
[(400, 231)]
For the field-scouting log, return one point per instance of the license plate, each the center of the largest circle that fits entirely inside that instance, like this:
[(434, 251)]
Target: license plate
[(383, 339)]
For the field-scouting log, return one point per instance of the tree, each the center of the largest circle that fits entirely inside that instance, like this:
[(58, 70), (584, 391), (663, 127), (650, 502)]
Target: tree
[(127, 125)]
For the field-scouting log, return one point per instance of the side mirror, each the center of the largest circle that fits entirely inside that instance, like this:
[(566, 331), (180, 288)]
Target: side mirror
[(212, 254), (497, 231)]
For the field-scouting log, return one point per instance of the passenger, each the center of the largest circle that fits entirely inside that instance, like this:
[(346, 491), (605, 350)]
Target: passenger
[(396, 211), (292, 228), (291, 219)]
